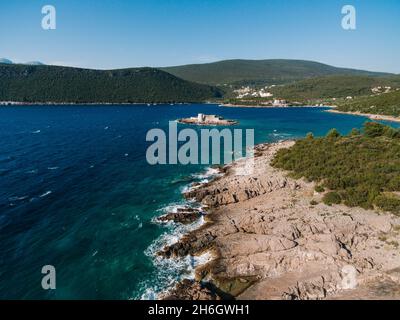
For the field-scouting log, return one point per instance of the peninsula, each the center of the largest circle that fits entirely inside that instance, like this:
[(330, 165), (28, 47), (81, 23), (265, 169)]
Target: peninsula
[(275, 236)]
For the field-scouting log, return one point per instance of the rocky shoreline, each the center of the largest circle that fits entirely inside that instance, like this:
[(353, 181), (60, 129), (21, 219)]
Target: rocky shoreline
[(270, 237)]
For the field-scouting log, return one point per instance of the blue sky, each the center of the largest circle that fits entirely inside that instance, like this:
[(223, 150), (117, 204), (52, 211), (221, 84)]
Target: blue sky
[(120, 33)]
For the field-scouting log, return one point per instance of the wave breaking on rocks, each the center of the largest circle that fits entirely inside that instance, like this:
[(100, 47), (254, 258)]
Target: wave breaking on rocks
[(270, 237)]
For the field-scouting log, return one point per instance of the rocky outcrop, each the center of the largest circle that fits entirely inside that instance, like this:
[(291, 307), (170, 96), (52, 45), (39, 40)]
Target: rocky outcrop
[(189, 245), (266, 226), (184, 215), (190, 290), (239, 190)]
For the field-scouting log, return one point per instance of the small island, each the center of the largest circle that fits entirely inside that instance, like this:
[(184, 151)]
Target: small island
[(208, 120)]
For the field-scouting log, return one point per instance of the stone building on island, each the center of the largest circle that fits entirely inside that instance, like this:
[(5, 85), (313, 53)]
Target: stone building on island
[(208, 119)]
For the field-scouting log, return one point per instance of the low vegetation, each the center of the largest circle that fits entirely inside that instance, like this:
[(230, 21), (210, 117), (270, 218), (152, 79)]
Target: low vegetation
[(332, 198), (384, 104), (360, 169)]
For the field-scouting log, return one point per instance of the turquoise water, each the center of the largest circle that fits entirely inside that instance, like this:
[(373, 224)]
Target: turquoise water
[(76, 192)]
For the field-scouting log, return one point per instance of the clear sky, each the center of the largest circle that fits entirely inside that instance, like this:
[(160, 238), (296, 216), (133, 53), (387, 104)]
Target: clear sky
[(121, 33)]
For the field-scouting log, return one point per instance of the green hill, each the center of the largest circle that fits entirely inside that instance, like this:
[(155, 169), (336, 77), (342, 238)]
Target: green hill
[(258, 72), (41, 83), (385, 104), (337, 86)]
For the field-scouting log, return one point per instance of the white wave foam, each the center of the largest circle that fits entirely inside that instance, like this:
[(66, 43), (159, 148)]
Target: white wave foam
[(200, 260), (184, 269), (46, 194), (18, 198), (169, 271), (201, 179), (140, 223), (209, 173), (281, 135)]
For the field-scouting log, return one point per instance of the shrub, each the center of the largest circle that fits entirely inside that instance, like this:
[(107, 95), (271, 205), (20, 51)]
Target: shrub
[(310, 136), (388, 203), (360, 196), (391, 132), (358, 169), (332, 198), (333, 133), (394, 184), (373, 129), (355, 132), (319, 189)]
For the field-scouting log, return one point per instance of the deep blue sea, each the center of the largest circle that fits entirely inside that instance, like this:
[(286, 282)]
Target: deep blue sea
[(77, 193)]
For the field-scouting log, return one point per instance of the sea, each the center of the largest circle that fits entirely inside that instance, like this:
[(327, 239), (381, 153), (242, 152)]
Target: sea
[(77, 193)]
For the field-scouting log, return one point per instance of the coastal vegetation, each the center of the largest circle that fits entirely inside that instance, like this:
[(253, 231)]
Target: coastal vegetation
[(347, 91), (337, 86), (360, 169), (295, 82), (383, 104), (41, 83)]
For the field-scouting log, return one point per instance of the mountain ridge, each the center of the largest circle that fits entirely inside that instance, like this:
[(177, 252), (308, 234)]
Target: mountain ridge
[(260, 72), (295, 79)]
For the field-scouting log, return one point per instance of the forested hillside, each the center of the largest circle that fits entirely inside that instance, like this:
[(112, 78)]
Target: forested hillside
[(40, 83)]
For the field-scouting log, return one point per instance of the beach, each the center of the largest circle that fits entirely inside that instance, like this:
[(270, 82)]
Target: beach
[(369, 115), (270, 237)]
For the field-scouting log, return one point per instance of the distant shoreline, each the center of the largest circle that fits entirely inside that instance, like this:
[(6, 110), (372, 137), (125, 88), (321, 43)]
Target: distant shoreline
[(230, 105), (14, 103), (368, 115)]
